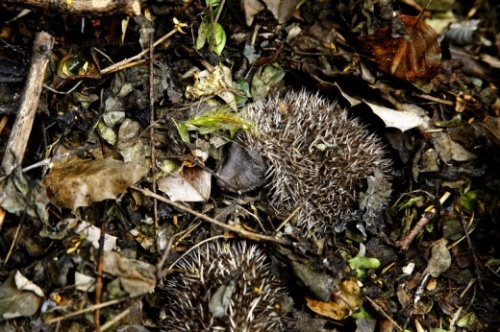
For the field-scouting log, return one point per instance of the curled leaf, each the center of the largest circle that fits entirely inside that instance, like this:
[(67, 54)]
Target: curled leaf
[(414, 55)]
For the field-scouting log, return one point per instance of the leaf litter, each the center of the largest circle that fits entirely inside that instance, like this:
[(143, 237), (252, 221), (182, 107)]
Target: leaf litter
[(83, 246)]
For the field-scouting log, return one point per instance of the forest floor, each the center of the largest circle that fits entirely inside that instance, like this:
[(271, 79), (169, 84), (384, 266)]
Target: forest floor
[(108, 175)]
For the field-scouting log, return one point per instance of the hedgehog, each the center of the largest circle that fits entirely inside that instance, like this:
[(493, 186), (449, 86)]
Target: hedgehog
[(315, 162), (224, 286)]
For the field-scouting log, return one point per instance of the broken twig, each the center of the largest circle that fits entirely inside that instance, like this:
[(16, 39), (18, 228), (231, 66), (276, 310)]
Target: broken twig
[(426, 217), (85, 7), (18, 140), (239, 231)]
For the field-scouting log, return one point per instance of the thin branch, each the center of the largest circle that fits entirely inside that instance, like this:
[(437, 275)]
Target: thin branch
[(404, 244), (18, 140), (239, 231), (84, 7), (84, 311), (123, 64)]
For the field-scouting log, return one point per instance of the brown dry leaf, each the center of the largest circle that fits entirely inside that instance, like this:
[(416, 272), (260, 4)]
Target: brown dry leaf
[(282, 10), (83, 182), (192, 184), (346, 300), (414, 56), (251, 8), (136, 277)]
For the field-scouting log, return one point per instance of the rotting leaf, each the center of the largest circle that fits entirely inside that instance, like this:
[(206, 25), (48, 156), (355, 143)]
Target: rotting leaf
[(346, 300), (18, 195), (414, 55), (19, 297), (129, 144), (222, 297), (440, 260), (319, 283), (136, 277), (84, 283), (217, 81), (83, 182), (265, 79)]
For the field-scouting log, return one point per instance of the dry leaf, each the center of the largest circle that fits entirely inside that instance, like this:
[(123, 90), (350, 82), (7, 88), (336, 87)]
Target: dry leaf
[(192, 184), (215, 82), (93, 234), (282, 10), (346, 300), (440, 260), (136, 277), (413, 56), (402, 120), (83, 182), (251, 8), (19, 297)]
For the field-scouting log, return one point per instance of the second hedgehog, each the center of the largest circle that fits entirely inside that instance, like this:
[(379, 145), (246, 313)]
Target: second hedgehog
[(313, 159)]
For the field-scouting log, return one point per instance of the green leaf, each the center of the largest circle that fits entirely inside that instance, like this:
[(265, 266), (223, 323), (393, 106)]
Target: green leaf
[(265, 79), (203, 35), (212, 3), (468, 321), (360, 264), (361, 314), (468, 201), (183, 131), (411, 202), (364, 263), (219, 119), (455, 121), (219, 39)]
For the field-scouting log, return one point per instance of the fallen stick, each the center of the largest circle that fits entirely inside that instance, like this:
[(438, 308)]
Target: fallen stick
[(427, 216), (238, 230), (84, 7), (28, 104)]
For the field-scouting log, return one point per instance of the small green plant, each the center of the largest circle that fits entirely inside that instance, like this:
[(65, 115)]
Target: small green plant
[(210, 31)]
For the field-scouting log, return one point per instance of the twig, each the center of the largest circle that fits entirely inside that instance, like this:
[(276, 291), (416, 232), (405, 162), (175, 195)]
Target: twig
[(14, 240), (46, 162), (472, 251), (123, 64), (159, 266), (100, 268), (85, 7), (426, 217), (152, 136), (240, 231), (382, 311), (83, 311), (18, 140), (116, 319)]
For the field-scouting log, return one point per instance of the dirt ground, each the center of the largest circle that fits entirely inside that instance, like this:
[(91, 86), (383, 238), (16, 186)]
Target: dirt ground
[(117, 211)]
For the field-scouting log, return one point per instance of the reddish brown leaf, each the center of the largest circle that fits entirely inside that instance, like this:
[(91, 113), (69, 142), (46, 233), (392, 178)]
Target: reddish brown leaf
[(413, 56)]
